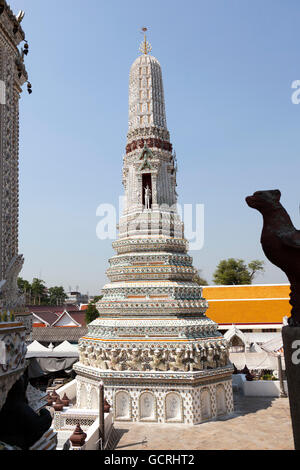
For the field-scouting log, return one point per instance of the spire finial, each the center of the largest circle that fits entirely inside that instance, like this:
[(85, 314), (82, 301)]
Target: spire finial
[(145, 47)]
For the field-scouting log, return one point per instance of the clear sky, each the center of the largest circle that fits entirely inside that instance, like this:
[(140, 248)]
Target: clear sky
[(228, 66)]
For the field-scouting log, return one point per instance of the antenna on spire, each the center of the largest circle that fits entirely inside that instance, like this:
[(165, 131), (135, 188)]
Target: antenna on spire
[(145, 47)]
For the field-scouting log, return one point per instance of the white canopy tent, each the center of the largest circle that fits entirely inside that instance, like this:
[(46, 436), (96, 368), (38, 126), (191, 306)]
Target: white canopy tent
[(36, 349), (66, 349), (254, 360), (275, 345), (45, 360)]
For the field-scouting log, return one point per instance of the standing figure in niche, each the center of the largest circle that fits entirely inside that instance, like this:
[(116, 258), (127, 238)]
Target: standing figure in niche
[(147, 197)]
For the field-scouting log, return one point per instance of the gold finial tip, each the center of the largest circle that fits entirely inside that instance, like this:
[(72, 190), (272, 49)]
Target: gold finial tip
[(145, 47)]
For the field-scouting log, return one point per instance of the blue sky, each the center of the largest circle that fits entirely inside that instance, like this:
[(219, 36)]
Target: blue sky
[(228, 66)]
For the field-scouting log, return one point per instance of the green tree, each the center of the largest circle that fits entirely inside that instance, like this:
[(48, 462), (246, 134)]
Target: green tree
[(39, 292), (25, 288), (91, 313), (255, 266), (236, 272), (23, 285), (96, 299), (57, 295), (200, 280)]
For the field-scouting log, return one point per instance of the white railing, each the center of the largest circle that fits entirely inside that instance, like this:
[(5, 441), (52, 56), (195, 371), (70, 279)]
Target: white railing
[(108, 425), (70, 389), (92, 441), (88, 420), (92, 438), (70, 417)]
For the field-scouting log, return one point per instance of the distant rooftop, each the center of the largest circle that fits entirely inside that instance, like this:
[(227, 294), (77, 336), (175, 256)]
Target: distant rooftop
[(254, 303)]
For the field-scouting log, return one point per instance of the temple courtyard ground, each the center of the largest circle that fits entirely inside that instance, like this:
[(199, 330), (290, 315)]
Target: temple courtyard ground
[(258, 423)]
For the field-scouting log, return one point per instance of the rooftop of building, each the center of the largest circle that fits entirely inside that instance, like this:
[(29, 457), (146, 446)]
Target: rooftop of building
[(58, 335), (51, 308), (64, 318), (248, 304)]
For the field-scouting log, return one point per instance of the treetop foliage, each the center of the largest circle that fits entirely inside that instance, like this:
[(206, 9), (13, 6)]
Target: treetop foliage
[(236, 272), (37, 293)]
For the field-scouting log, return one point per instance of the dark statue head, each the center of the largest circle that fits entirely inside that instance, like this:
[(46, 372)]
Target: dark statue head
[(264, 200)]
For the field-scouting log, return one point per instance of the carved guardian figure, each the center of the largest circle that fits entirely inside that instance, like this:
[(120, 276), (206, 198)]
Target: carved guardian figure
[(179, 362), (135, 360), (158, 361)]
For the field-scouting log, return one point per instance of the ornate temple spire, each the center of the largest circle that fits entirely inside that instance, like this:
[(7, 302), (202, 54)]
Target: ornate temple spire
[(146, 92), (145, 47), (158, 354), (149, 176)]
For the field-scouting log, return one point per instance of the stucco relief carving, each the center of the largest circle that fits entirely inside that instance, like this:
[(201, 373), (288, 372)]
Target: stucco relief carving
[(115, 360), (134, 359), (158, 361), (178, 360), (12, 299)]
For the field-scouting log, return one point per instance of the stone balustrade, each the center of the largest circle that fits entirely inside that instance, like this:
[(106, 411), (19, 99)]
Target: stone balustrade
[(69, 389), (65, 421)]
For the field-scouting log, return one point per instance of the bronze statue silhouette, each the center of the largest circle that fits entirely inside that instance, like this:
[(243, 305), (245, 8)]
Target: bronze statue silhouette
[(280, 242)]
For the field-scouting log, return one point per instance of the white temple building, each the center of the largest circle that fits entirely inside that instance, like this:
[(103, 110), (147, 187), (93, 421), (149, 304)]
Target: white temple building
[(161, 359)]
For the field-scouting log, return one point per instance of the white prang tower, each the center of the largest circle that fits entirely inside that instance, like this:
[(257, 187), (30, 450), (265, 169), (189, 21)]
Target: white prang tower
[(160, 358)]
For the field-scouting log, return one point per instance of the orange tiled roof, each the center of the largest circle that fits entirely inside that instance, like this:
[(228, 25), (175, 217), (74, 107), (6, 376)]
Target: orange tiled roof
[(253, 291), (248, 304)]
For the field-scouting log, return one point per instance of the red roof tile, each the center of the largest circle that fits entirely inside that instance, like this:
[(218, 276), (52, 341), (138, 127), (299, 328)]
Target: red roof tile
[(52, 317)]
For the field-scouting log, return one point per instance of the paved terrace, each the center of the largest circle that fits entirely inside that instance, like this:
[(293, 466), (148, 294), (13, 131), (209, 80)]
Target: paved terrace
[(258, 423)]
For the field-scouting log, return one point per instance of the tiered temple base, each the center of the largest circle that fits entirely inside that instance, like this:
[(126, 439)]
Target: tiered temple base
[(160, 358), (169, 397)]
